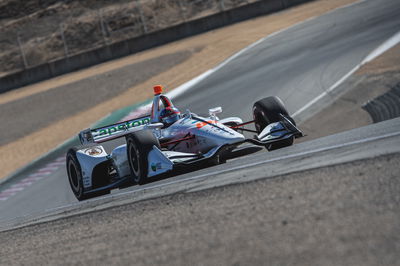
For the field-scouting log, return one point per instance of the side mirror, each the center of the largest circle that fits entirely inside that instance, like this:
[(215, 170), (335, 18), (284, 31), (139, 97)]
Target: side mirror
[(86, 137), (214, 111)]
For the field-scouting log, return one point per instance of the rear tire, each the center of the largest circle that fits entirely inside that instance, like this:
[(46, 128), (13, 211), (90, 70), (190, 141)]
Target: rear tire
[(267, 111), (138, 146)]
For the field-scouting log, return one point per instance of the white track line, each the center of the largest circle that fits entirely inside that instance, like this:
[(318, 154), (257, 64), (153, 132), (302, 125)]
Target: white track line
[(388, 44), (391, 42)]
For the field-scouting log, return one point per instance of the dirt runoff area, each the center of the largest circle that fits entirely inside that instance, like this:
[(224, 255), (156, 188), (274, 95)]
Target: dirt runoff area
[(215, 46)]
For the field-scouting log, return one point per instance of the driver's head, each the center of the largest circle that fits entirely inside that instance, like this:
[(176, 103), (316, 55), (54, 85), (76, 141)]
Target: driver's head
[(169, 115)]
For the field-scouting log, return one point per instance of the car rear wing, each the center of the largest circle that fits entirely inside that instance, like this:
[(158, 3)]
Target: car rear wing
[(102, 134)]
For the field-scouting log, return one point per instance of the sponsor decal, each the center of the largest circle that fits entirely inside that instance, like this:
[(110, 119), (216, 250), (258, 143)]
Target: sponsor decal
[(156, 166), (202, 124), (108, 131), (93, 151)]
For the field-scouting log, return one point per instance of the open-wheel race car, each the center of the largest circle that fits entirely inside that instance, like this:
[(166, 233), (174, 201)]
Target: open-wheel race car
[(159, 143)]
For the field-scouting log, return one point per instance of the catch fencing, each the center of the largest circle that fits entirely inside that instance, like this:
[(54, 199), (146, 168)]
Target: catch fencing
[(30, 42)]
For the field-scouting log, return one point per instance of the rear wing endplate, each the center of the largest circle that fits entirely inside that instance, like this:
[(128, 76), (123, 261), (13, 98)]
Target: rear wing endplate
[(113, 131)]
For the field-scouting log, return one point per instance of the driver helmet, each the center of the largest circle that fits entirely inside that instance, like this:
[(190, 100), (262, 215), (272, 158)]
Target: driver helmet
[(170, 115)]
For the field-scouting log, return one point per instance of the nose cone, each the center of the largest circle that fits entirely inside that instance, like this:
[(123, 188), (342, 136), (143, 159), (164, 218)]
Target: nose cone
[(220, 134), (231, 136)]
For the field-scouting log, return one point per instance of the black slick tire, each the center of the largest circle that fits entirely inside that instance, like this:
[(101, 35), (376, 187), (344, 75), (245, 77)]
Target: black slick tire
[(75, 176), (267, 111), (138, 146)]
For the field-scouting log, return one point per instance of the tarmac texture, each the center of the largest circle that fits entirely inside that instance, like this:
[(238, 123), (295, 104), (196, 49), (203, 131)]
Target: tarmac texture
[(340, 215)]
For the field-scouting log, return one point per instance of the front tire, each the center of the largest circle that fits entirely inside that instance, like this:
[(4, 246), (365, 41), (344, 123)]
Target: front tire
[(75, 174), (267, 111), (138, 145), (75, 177)]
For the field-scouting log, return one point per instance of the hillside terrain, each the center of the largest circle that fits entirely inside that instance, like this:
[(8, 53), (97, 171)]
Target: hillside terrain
[(35, 32)]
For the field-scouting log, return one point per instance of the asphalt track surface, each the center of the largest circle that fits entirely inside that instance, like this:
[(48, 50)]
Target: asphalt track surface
[(372, 141), (343, 214), (297, 65)]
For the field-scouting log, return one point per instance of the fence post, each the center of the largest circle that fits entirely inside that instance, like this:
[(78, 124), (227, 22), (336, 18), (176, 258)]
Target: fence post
[(103, 27), (63, 40), (222, 5), (155, 20), (22, 51), (183, 14), (141, 16)]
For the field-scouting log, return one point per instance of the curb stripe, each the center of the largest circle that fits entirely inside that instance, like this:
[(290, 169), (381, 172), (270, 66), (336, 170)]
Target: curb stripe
[(41, 173)]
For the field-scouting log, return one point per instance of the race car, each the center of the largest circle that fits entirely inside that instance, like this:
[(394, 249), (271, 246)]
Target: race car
[(167, 139)]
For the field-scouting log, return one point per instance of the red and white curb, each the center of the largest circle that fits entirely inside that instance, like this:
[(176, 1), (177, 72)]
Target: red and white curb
[(41, 173)]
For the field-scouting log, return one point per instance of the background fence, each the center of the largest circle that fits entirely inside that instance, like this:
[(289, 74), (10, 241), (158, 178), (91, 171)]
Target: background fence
[(63, 29)]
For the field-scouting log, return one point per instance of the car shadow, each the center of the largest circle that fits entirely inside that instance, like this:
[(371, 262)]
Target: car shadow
[(239, 152)]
